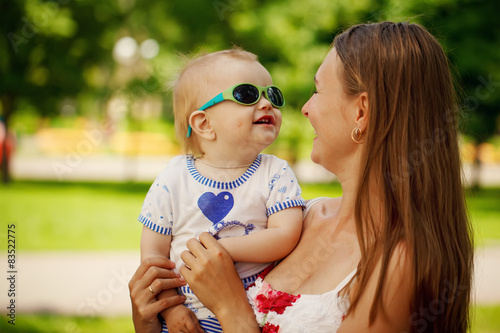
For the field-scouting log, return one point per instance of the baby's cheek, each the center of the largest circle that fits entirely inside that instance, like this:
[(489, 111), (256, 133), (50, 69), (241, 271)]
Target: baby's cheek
[(239, 124)]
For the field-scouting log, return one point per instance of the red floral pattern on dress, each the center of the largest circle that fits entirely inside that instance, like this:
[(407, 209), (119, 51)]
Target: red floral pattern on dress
[(273, 300), (270, 300), (268, 328), (262, 274)]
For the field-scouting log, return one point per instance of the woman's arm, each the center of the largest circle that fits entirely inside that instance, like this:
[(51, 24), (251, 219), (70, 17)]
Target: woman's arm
[(157, 273), (179, 317), (271, 244), (212, 277)]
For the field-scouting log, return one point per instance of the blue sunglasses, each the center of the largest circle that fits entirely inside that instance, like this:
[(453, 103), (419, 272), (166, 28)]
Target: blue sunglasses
[(245, 94)]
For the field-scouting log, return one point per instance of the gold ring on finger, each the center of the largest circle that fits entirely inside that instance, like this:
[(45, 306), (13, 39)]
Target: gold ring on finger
[(152, 291)]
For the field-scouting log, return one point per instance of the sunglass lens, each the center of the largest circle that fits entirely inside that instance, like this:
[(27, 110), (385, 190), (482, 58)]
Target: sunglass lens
[(276, 96), (246, 94)]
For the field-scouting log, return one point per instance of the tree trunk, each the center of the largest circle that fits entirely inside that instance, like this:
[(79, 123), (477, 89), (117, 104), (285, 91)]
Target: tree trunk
[(7, 106), (476, 169)]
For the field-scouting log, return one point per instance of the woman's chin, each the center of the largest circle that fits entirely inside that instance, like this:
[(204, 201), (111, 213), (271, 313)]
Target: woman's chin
[(315, 157)]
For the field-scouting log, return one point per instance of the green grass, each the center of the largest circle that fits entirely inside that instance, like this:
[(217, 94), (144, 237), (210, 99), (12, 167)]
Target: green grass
[(83, 216), (73, 216), (486, 319), (484, 210), (31, 323), (310, 191), (102, 216)]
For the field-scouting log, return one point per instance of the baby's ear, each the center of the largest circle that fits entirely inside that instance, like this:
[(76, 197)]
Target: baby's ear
[(201, 125)]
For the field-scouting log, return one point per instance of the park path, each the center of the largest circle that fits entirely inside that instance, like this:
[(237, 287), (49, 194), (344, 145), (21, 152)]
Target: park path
[(146, 168), (96, 283)]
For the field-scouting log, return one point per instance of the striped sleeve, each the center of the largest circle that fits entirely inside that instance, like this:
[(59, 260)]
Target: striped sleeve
[(156, 212), (284, 191)]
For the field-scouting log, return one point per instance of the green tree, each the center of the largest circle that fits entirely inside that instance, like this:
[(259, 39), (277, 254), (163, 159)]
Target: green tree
[(52, 50), (46, 51), (470, 34)]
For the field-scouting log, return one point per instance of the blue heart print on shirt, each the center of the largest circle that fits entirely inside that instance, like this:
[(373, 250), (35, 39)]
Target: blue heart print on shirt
[(216, 207)]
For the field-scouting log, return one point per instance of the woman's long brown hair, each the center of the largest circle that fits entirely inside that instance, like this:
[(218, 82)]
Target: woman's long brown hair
[(412, 145)]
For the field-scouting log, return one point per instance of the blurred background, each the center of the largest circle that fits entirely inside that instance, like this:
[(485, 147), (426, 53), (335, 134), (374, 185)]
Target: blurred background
[(86, 124)]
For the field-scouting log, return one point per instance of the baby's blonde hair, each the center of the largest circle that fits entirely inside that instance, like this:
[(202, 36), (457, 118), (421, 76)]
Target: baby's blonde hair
[(195, 76)]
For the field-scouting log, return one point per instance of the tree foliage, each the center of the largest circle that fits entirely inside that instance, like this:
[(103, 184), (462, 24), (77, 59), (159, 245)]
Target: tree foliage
[(55, 52)]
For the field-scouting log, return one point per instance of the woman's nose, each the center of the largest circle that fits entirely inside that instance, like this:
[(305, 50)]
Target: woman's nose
[(305, 108)]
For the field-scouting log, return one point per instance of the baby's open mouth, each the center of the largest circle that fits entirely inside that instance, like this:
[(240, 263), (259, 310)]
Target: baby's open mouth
[(265, 120)]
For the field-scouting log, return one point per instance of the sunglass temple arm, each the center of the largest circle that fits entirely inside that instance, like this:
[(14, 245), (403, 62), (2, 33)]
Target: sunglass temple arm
[(217, 99)]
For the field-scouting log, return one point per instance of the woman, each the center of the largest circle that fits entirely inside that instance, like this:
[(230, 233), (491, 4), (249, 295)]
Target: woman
[(384, 116)]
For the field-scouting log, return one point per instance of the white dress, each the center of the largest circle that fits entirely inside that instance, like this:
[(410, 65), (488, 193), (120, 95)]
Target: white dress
[(277, 311)]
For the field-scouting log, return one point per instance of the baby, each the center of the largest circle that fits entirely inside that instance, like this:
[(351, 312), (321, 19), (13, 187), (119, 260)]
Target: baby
[(226, 112)]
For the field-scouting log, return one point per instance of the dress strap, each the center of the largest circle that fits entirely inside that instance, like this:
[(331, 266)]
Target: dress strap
[(309, 204), (345, 281)]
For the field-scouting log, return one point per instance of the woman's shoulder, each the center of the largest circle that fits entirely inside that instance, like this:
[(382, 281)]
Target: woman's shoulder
[(320, 205)]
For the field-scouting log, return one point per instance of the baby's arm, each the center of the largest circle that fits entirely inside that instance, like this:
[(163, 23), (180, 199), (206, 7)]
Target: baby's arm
[(153, 245), (274, 243)]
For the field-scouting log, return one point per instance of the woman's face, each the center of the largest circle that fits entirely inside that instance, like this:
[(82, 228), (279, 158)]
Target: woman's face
[(331, 113)]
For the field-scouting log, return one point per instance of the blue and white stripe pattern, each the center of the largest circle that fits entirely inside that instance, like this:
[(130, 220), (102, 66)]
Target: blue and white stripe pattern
[(284, 205), (246, 283), (155, 227), (222, 185), (249, 280), (210, 325)]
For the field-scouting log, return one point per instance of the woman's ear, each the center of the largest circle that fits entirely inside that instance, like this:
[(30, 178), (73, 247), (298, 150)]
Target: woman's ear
[(362, 112), (201, 125)]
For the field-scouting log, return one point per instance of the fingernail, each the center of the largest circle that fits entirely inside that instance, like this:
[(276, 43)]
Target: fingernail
[(182, 280)]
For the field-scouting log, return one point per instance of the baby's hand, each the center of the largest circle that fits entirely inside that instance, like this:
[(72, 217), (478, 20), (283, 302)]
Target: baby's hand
[(180, 319)]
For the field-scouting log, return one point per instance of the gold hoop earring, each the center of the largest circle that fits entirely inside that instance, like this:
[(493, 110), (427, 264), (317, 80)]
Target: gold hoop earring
[(356, 135)]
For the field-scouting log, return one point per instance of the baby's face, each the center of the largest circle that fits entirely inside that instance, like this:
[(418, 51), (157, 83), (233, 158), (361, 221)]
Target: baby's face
[(248, 128)]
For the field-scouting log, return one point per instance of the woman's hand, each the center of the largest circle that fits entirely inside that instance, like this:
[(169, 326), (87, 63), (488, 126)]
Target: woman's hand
[(211, 275), (153, 276)]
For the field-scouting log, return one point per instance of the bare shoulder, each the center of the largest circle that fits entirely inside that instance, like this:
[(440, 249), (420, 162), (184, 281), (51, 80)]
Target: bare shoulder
[(400, 263), (396, 297), (319, 208)]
